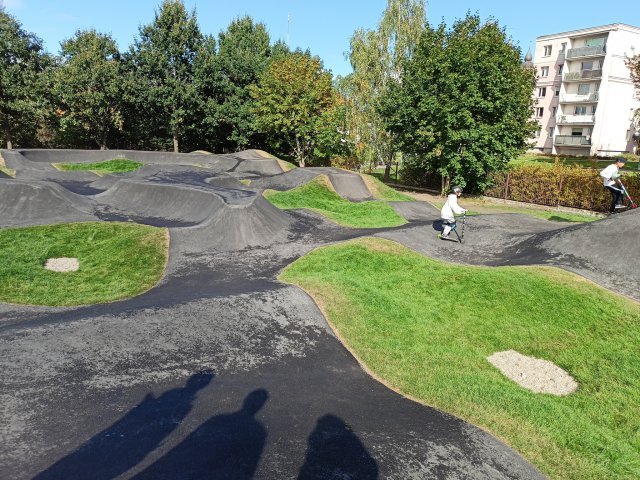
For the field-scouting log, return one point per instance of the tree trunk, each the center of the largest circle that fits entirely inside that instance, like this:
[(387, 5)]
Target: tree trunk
[(9, 144), (175, 143), (445, 185), (387, 171)]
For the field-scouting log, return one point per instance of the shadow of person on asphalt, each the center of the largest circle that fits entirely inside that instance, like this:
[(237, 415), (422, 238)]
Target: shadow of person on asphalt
[(334, 451), (225, 446), (125, 443)]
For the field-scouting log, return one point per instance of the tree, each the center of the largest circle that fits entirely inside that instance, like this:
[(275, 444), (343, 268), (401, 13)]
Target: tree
[(377, 57), (162, 62), (88, 84), (243, 54), (292, 101), (22, 63), (464, 106), (634, 68)]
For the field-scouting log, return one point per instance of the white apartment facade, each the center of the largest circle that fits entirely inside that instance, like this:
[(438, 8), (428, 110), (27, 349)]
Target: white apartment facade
[(585, 99)]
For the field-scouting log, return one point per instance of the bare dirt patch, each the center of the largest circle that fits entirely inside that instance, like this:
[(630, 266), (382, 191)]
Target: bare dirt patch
[(62, 264), (537, 375)]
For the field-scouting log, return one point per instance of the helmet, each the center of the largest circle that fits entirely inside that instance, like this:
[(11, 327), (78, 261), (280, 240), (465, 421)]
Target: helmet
[(457, 189)]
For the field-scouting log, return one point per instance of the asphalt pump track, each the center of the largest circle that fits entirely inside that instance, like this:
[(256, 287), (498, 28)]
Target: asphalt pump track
[(221, 371)]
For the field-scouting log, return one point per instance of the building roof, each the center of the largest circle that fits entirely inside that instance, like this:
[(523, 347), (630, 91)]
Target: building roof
[(590, 31)]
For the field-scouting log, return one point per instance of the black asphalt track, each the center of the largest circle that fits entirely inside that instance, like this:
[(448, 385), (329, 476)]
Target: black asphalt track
[(221, 371)]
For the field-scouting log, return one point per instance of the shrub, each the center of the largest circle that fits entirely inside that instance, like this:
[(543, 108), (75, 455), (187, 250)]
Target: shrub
[(562, 185)]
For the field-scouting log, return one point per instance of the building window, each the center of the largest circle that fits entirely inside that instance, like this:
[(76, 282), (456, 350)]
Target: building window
[(553, 111), (593, 109), (537, 134), (542, 91), (563, 47), (595, 42), (557, 91), (547, 50), (576, 132), (544, 71), (560, 69), (586, 66), (550, 132), (580, 110), (583, 89), (539, 111)]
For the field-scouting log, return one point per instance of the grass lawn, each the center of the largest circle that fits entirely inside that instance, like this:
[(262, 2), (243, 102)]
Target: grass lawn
[(8, 171), (117, 165), (117, 260), (478, 206), (317, 196), (426, 327), (384, 192)]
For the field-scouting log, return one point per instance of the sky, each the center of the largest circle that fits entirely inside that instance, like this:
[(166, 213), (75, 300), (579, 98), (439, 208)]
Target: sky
[(323, 26)]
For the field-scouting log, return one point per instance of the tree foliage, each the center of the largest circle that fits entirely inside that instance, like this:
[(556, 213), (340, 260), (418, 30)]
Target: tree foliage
[(377, 58), (463, 107), (88, 85), (243, 55), (162, 62), (22, 99), (294, 100), (634, 68)]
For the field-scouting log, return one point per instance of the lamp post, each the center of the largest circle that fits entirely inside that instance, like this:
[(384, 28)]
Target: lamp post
[(636, 139)]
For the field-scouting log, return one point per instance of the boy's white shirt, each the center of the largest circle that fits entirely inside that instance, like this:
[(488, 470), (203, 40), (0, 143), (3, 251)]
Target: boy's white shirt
[(451, 208), (608, 174)]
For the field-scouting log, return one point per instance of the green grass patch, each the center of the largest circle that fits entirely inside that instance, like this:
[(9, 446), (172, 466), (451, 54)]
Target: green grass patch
[(117, 165), (384, 192), (317, 196), (286, 166), (8, 171), (117, 260), (426, 327)]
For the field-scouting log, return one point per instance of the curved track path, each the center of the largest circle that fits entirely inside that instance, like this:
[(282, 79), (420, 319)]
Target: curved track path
[(222, 372)]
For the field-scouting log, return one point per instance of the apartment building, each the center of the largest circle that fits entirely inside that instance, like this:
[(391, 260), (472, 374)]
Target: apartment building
[(585, 99)]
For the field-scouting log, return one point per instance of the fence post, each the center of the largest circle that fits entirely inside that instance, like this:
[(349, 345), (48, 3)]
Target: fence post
[(506, 186)]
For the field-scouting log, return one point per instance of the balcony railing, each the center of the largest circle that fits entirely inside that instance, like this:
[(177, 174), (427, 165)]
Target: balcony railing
[(572, 141), (578, 98), (564, 119), (598, 50), (582, 75)]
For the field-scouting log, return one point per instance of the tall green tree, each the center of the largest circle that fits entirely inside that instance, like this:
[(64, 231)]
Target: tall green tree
[(88, 84), (377, 57), (463, 108), (634, 67), (293, 101), (162, 61), (22, 63), (243, 55)]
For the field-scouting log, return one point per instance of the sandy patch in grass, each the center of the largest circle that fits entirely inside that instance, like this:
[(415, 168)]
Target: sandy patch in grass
[(62, 264), (539, 376)]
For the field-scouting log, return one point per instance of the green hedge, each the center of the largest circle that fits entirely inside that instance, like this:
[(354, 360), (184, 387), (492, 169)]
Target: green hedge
[(562, 185)]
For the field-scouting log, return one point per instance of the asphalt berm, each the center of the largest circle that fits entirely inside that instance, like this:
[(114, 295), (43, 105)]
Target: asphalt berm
[(221, 371)]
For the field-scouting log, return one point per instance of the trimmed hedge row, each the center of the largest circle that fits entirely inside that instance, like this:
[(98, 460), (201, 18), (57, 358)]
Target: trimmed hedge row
[(561, 185)]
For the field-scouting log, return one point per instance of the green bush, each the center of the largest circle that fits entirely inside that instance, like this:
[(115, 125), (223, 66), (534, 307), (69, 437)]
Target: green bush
[(562, 185)]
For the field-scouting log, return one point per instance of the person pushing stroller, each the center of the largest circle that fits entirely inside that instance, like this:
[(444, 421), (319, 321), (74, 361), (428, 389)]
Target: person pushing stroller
[(611, 182), (449, 210)]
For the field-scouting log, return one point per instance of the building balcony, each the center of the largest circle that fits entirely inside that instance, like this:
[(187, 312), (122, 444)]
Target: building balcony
[(571, 141), (582, 75), (582, 52), (577, 98), (575, 119)]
